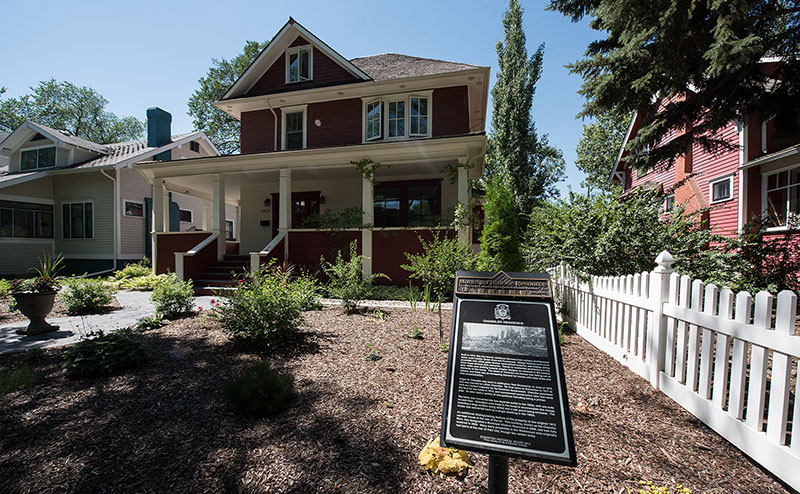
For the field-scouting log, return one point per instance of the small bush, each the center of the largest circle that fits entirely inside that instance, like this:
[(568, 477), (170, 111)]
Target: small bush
[(145, 283), (266, 308), (172, 297), (133, 271), (86, 295), (260, 391), (148, 323), (16, 378), (102, 354), (346, 282)]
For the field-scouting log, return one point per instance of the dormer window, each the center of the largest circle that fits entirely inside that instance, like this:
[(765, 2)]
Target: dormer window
[(299, 65), (32, 159)]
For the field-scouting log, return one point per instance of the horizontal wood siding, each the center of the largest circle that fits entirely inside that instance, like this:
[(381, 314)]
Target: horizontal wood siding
[(389, 248), (40, 188), (132, 187), (709, 167), (20, 255), (86, 187), (339, 123), (306, 248), (326, 72), (170, 243), (450, 111), (257, 132)]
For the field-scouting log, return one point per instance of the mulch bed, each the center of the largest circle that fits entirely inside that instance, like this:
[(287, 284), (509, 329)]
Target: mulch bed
[(58, 310), (357, 426)]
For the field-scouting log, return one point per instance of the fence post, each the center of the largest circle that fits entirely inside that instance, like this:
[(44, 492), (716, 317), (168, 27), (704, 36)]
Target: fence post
[(657, 335)]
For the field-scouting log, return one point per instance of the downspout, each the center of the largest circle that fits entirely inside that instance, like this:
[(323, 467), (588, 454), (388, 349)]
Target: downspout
[(116, 212), (275, 127)]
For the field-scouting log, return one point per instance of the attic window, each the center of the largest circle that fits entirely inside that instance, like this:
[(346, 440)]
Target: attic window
[(194, 146), (38, 137), (299, 65), (37, 158)]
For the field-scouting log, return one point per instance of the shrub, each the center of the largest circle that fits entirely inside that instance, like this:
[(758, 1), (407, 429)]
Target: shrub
[(266, 308), (172, 297), (148, 323), (145, 283), (500, 244), (85, 295), (102, 353), (132, 270), (260, 391), (16, 378), (346, 281), (388, 292)]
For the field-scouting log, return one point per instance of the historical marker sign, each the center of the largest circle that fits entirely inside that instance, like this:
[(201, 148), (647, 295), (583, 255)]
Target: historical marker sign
[(505, 392)]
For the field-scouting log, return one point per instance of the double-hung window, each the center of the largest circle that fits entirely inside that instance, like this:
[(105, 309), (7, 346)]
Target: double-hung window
[(782, 199), (32, 159), (294, 125), (299, 64), (419, 116), (721, 190), (77, 220), (397, 119)]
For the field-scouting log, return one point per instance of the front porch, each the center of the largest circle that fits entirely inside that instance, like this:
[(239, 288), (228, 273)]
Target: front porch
[(298, 206)]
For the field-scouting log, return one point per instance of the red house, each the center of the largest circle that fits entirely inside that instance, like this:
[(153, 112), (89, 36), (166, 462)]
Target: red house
[(391, 138)]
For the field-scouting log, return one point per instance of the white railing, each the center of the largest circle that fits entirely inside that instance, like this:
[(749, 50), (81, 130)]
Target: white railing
[(705, 348), (179, 271), (255, 257)]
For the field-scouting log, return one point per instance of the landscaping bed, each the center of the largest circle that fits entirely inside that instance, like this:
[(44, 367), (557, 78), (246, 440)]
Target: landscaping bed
[(59, 310), (357, 425)]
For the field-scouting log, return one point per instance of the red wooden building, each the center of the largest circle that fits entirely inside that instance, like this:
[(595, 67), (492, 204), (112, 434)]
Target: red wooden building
[(307, 115)]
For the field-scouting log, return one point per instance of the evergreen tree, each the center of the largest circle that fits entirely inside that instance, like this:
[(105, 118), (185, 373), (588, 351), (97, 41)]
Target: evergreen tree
[(221, 128), (531, 166), (500, 241), (701, 58), (598, 150)]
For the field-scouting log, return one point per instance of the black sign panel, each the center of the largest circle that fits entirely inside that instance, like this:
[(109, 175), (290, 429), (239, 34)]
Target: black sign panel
[(505, 392)]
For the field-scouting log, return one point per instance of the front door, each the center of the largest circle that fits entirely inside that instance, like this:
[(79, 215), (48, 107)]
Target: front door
[(304, 204)]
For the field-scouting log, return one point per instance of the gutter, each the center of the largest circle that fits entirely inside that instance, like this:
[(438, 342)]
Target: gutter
[(275, 129), (114, 179)]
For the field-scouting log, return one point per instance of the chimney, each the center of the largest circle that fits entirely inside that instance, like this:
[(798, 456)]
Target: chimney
[(159, 131)]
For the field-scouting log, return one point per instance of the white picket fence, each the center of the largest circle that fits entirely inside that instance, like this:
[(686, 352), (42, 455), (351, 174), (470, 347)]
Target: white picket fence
[(705, 348)]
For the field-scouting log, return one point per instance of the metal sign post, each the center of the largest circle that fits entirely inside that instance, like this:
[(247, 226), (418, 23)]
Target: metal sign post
[(505, 392)]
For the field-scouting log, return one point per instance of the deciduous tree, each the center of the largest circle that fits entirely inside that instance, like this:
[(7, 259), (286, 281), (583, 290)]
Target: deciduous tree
[(598, 149)]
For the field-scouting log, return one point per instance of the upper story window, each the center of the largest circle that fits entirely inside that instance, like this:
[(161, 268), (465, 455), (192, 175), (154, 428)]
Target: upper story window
[(194, 146), (397, 117), (32, 159), (299, 65), (781, 203), (294, 127), (721, 189)]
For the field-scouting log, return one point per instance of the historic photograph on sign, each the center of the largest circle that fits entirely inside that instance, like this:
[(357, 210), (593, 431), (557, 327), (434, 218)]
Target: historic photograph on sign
[(508, 340)]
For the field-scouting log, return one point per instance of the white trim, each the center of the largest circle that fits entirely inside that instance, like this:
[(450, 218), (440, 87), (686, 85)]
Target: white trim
[(39, 146), (125, 208), (191, 215), (379, 103), (296, 50), (741, 195), (764, 179), (22, 240), (61, 212), (37, 149), (621, 150), (385, 99), (35, 200), (712, 183), (294, 109)]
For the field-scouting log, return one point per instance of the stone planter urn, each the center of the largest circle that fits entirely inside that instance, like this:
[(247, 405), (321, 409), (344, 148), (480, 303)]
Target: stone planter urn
[(36, 306)]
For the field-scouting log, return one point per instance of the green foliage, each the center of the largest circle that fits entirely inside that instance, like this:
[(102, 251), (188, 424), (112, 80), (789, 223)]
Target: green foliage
[(260, 391), (443, 347), (388, 292), (500, 244), (372, 354), (65, 106), (5, 288), (86, 295), (16, 378), (172, 297), (346, 281), (134, 270), (102, 353), (367, 169), (700, 58), (438, 262), (147, 282), (562, 329), (337, 220), (531, 166), (148, 323), (416, 333), (221, 128), (49, 266), (266, 308), (598, 149)]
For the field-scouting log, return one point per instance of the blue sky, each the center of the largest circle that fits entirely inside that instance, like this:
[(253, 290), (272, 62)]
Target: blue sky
[(151, 53)]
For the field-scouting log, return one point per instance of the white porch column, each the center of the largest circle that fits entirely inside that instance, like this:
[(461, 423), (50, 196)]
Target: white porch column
[(206, 215), (367, 206), (463, 198), (285, 207), (236, 223), (218, 216), (160, 211)]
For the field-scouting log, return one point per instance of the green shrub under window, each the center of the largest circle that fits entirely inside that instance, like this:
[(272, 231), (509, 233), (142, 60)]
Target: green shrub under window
[(102, 353)]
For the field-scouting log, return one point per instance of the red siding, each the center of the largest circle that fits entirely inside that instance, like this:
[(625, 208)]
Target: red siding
[(709, 167), (325, 71), (450, 111), (389, 248), (168, 244), (256, 134), (339, 123), (305, 248)]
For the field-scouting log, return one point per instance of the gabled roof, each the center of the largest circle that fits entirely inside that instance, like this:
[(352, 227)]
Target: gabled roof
[(622, 148), (275, 49), (25, 131), (121, 153), (395, 66)]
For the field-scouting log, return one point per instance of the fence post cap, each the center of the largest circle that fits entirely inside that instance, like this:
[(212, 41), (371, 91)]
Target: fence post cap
[(664, 262)]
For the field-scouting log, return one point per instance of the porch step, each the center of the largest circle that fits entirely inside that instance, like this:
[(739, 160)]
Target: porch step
[(218, 275)]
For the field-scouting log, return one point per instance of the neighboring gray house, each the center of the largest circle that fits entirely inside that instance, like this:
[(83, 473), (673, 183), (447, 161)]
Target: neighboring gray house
[(63, 194)]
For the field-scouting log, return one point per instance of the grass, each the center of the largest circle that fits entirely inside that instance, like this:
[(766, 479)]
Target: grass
[(16, 378)]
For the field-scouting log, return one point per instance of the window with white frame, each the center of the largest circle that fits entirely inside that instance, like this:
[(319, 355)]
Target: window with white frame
[(134, 209), (229, 230), (185, 215), (669, 203), (77, 220), (294, 133), (299, 66), (397, 117), (194, 146), (374, 120), (781, 203), (31, 159), (721, 189)]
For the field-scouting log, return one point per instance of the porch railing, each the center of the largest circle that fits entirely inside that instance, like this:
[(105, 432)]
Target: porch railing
[(180, 257), (255, 257)]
